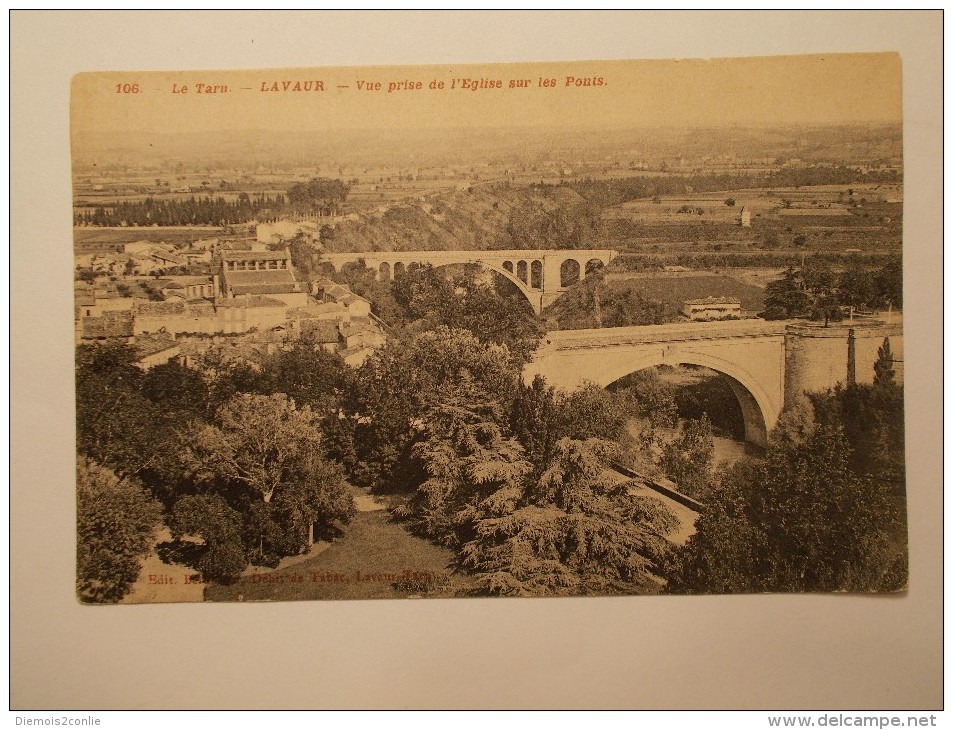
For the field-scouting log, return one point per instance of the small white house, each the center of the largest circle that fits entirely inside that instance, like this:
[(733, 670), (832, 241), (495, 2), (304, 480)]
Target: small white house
[(711, 308)]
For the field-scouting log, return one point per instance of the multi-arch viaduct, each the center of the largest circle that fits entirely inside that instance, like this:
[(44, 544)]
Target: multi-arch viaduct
[(767, 364), (541, 275)]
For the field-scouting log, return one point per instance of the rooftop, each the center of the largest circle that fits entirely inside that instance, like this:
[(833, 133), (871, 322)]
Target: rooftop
[(319, 310), (170, 257), (357, 326), (146, 346), (154, 309), (84, 295), (251, 301), (261, 276), (186, 280), (267, 281), (255, 255), (320, 330), (110, 325)]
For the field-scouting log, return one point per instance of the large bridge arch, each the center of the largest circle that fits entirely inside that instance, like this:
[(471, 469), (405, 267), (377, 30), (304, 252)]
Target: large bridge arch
[(750, 353), (532, 297), (535, 272), (756, 407)]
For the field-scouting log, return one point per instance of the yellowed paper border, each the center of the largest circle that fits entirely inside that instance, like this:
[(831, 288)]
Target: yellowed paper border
[(639, 653)]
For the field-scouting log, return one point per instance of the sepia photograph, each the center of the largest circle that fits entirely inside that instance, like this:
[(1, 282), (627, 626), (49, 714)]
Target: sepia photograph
[(555, 329), (547, 360)]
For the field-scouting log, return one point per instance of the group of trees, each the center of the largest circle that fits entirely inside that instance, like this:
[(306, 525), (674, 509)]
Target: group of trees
[(514, 478), (555, 218), (746, 259), (251, 460), (594, 302), (191, 211), (116, 520), (221, 453), (323, 196), (823, 510), (821, 292), (614, 191), (422, 298)]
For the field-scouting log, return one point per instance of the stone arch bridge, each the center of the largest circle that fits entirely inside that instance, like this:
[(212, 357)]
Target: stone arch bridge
[(540, 274), (767, 364)]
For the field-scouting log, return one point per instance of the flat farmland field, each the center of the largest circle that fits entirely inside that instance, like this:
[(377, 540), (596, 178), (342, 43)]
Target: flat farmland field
[(676, 287), (816, 218), (89, 239)]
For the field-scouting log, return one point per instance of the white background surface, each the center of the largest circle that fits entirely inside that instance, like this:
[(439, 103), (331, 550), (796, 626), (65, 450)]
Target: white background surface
[(741, 652)]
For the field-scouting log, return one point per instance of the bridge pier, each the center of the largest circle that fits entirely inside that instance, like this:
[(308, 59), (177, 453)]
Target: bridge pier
[(768, 364)]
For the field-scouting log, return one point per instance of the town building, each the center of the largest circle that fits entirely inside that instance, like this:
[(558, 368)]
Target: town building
[(711, 308), (331, 292), (189, 288), (260, 273), (254, 301), (139, 247), (152, 351), (322, 333), (277, 232), (111, 326)]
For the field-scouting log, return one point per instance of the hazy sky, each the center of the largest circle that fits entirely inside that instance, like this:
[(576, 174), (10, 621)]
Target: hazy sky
[(831, 89)]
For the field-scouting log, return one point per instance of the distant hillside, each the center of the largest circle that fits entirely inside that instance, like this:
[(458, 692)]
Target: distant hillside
[(487, 216)]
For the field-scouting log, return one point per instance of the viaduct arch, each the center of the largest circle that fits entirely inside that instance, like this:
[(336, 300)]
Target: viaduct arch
[(767, 364), (539, 274)]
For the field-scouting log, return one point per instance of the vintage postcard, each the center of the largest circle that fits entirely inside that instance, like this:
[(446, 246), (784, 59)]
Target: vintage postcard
[(543, 329)]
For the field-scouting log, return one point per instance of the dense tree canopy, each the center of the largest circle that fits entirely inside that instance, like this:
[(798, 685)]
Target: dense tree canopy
[(265, 454), (318, 195), (191, 211), (575, 530), (256, 441), (123, 420), (363, 281), (819, 291), (787, 296), (209, 517), (613, 191), (308, 376), (597, 302), (472, 300), (395, 387), (463, 458), (688, 458), (115, 523), (810, 516)]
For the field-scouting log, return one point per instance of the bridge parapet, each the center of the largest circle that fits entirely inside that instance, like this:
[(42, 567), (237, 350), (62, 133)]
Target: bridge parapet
[(675, 332)]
